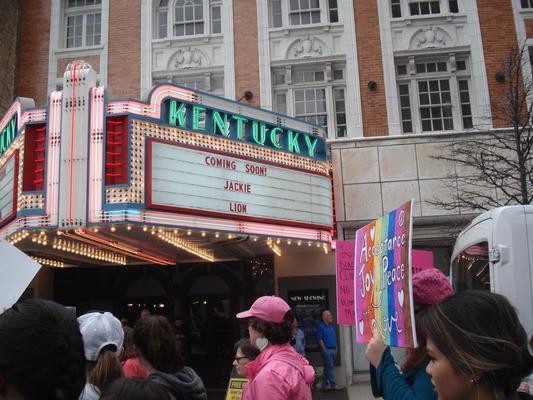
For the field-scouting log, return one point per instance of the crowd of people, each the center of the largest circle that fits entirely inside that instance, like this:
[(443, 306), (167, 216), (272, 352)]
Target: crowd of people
[(471, 347)]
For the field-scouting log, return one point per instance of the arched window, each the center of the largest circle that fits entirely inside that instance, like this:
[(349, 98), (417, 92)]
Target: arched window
[(188, 17)]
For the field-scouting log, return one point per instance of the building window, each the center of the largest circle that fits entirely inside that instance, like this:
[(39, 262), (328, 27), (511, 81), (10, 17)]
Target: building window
[(304, 12), (276, 19), (83, 20), (424, 7), (453, 6), (526, 3), (216, 18), (188, 17), (162, 19), (333, 11), (181, 18), (396, 8), (434, 96), (435, 105), (314, 94), (310, 105), (212, 82), (340, 112)]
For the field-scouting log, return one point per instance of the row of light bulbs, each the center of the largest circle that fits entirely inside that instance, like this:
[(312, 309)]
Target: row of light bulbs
[(88, 251), (186, 245), (49, 262)]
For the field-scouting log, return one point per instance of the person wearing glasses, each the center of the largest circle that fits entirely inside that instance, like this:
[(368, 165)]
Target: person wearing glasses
[(244, 353), (279, 372)]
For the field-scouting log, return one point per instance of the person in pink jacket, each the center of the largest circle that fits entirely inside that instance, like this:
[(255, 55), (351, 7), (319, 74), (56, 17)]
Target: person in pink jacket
[(279, 372)]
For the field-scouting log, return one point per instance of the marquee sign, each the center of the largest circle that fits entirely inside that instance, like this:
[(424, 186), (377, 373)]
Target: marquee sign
[(207, 182), (205, 119), (119, 181), (8, 189), (8, 134)]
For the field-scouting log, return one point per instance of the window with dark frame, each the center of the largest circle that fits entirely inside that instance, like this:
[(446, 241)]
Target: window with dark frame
[(396, 8), (453, 6), (333, 11), (526, 3), (424, 7)]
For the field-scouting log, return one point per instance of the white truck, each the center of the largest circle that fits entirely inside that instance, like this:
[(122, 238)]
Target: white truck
[(495, 252)]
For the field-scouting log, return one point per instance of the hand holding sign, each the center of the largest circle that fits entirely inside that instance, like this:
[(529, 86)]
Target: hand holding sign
[(376, 348)]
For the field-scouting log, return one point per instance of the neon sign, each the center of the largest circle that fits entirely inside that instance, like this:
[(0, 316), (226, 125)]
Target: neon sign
[(232, 126), (8, 134)]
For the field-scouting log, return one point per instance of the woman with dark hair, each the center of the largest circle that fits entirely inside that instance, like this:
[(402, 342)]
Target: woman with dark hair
[(41, 352), (430, 286), (103, 337), (279, 372), (134, 389), (244, 353), (477, 346), (131, 366), (158, 352)]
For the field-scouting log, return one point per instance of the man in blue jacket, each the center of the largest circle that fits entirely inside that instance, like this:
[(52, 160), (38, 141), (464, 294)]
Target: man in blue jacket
[(327, 340)]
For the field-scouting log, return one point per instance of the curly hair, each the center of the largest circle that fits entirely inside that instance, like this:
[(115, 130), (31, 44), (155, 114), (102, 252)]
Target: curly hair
[(480, 334), (41, 350)]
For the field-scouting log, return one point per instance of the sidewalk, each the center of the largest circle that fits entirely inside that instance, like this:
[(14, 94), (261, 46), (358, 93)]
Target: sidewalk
[(358, 391)]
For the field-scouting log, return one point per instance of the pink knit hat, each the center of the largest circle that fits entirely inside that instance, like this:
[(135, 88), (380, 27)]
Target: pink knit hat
[(430, 286), (267, 308)]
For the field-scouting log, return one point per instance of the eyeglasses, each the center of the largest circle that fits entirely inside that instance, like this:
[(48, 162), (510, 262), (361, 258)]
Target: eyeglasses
[(238, 359)]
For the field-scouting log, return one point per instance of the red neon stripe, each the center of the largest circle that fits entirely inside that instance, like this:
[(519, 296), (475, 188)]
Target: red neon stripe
[(113, 164), (115, 122), (38, 180), (40, 140), (41, 129), (39, 159), (74, 66), (113, 175), (112, 153), (38, 170), (114, 133), (114, 143), (40, 149)]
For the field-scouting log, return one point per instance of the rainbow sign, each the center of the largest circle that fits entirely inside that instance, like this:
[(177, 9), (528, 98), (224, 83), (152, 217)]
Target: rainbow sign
[(383, 297)]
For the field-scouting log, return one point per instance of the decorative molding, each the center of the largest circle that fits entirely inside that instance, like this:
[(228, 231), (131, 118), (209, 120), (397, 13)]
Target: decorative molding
[(307, 47), (188, 57), (430, 37)]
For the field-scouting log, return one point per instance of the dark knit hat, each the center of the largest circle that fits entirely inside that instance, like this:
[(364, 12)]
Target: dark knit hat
[(430, 286)]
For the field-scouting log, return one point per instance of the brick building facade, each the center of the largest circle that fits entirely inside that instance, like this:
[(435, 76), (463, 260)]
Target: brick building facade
[(364, 70)]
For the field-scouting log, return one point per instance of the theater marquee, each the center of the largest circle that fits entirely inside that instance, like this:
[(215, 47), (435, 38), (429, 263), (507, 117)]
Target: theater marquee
[(89, 179)]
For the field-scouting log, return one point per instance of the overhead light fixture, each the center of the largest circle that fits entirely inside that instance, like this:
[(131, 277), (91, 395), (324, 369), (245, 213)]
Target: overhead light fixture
[(186, 245)]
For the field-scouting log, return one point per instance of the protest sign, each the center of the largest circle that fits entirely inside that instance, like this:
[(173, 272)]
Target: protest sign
[(344, 259), (383, 297), (16, 272), (235, 388)]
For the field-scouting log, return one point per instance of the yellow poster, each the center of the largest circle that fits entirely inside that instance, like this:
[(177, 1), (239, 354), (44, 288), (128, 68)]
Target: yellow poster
[(235, 388)]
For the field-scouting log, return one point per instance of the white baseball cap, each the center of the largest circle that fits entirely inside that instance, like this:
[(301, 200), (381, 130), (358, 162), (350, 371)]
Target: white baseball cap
[(100, 329)]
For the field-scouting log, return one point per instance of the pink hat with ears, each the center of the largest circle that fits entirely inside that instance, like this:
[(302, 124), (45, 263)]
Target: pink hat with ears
[(431, 286)]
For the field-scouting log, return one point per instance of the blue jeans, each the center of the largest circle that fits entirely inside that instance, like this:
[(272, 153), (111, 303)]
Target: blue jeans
[(328, 378)]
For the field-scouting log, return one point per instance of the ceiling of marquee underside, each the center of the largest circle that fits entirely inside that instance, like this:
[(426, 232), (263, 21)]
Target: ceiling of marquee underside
[(146, 245)]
